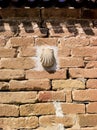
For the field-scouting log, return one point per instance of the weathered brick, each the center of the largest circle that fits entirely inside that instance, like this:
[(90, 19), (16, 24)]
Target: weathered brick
[(59, 74), (4, 86), (2, 42), (91, 107), (9, 110), (85, 95), (7, 52), (70, 84), (76, 108), (74, 42), (88, 120), (90, 58), (21, 122), (63, 51), (37, 109), (46, 41), (7, 74), (68, 96), (28, 51), (21, 41), (93, 41), (84, 51), (17, 63), (91, 64), (6, 33), (51, 96), (18, 97), (92, 83), (83, 73), (37, 84), (70, 62), (52, 127), (51, 119), (87, 128)]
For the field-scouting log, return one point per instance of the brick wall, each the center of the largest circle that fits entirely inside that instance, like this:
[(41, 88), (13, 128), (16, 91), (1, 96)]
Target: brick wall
[(32, 98)]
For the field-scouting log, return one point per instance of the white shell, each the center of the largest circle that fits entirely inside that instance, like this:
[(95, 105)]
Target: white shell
[(47, 57)]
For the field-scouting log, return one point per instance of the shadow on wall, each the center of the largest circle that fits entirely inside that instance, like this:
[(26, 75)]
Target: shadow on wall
[(47, 27)]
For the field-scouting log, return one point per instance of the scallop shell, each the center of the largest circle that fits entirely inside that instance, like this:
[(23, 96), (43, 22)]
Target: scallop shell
[(47, 57)]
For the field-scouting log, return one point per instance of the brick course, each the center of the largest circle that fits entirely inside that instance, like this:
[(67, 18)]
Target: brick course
[(63, 97)]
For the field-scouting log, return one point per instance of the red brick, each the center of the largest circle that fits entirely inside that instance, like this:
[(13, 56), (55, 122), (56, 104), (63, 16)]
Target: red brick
[(73, 108), (84, 51), (17, 63), (91, 64), (37, 84), (46, 41), (18, 97), (88, 120), (91, 107), (7, 74), (83, 73), (74, 42), (59, 74), (92, 83), (37, 109), (7, 52), (51, 96), (28, 51), (9, 110), (19, 123), (51, 119), (70, 62), (85, 95), (21, 41)]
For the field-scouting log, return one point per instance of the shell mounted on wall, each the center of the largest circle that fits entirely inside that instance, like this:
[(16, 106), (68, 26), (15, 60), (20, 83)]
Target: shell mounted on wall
[(47, 57)]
